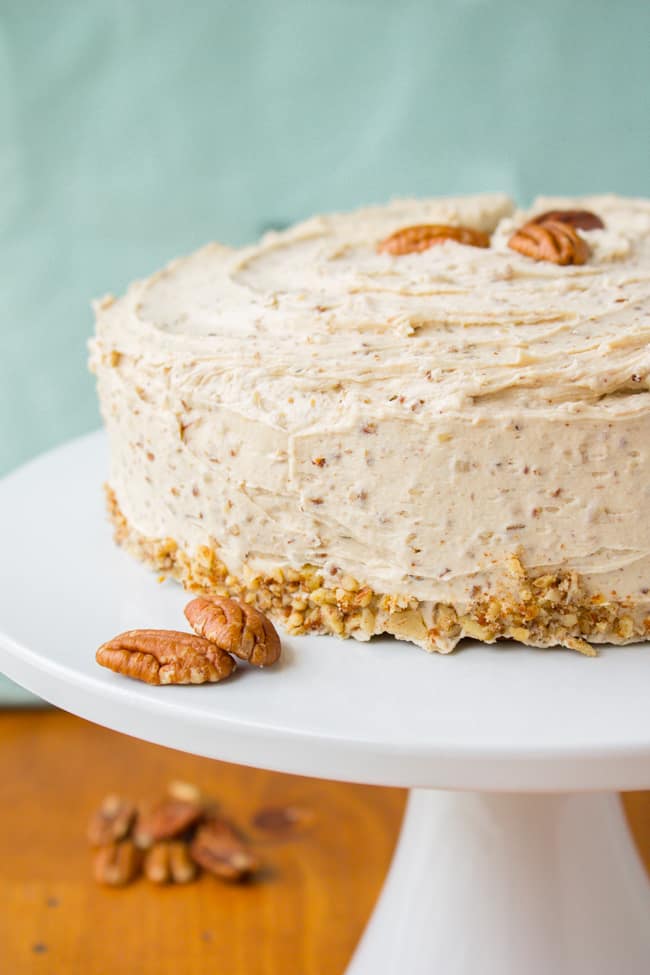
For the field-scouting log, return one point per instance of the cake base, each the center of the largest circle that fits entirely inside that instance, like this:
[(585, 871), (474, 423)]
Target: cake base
[(546, 610)]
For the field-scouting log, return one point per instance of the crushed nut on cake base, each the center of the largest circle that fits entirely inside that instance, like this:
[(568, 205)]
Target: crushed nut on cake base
[(550, 609)]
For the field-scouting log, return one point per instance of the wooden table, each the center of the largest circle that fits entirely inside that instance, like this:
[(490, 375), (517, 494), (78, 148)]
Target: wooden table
[(303, 917)]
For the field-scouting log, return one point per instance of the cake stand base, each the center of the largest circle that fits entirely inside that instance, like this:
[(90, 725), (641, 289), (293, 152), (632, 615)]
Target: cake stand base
[(491, 884)]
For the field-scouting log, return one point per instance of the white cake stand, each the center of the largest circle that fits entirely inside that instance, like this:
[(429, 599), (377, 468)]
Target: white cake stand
[(524, 868)]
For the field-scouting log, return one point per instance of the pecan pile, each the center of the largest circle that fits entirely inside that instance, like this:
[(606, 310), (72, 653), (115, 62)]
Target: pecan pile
[(223, 629), (169, 842)]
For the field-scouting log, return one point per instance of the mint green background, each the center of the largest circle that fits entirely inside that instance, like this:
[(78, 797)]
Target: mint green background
[(134, 131)]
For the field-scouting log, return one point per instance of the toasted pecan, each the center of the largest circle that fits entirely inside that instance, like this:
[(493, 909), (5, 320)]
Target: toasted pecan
[(578, 219), (111, 822), (551, 241), (236, 628), (116, 864), (219, 849), (165, 657), (412, 240), (166, 820), (167, 863)]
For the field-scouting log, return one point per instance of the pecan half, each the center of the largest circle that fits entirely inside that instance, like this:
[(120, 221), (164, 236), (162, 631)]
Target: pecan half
[(282, 821), (166, 820), (186, 792), (236, 628), (219, 849), (551, 241), (165, 657), (111, 822), (169, 863), (412, 240), (116, 864), (579, 219)]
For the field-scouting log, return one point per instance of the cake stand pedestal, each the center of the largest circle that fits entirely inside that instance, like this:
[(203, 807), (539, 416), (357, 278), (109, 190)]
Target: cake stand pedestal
[(523, 866), (502, 884)]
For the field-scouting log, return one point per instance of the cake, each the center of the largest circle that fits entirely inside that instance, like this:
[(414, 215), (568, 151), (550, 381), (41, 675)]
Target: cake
[(429, 419)]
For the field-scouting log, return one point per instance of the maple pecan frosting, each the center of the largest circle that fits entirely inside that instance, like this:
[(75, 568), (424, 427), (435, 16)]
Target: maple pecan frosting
[(374, 422)]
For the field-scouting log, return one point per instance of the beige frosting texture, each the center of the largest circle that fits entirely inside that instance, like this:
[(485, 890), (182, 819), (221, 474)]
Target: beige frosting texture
[(411, 420)]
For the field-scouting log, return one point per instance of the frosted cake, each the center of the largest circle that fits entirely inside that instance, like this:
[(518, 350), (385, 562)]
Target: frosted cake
[(430, 419)]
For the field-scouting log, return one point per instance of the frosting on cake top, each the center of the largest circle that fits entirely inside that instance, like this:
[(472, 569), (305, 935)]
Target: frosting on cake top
[(313, 320)]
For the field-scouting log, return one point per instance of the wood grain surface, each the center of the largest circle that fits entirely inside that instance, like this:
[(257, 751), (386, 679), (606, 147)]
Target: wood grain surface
[(302, 917)]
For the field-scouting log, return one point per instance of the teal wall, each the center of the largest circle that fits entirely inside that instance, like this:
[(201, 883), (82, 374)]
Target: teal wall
[(133, 131)]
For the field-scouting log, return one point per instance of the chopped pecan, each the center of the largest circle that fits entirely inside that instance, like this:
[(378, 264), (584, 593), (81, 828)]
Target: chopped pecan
[(116, 864), (168, 863), (219, 849), (111, 822), (579, 219), (411, 240), (165, 657), (236, 628), (166, 820), (551, 241)]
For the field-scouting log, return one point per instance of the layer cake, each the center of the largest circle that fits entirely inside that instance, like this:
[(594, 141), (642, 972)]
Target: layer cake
[(362, 438)]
